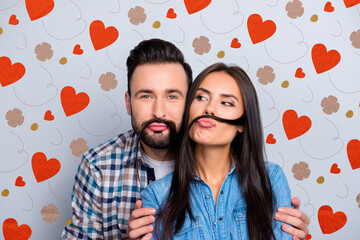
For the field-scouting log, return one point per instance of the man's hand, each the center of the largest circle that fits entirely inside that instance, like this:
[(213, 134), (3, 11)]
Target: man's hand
[(294, 217), (140, 222)]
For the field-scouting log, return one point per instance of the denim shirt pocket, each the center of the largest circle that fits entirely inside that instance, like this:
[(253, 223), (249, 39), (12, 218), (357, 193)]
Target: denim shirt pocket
[(190, 230), (239, 229)]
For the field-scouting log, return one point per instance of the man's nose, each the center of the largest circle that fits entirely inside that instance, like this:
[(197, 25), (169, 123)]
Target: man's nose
[(159, 108)]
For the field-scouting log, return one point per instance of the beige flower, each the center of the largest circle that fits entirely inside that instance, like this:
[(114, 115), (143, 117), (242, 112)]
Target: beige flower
[(301, 170), (78, 147), (43, 51), (266, 75), (201, 45), (14, 117), (330, 105), (355, 38), (358, 200), (50, 213), (137, 15), (294, 9), (108, 81)]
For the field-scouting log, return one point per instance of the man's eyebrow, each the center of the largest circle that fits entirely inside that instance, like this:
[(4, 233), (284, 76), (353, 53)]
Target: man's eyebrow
[(223, 94), (175, 91), (143, 91)]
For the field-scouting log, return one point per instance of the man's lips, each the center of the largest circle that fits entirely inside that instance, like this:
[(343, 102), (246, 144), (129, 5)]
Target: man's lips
[(158, 127), (206, 122)]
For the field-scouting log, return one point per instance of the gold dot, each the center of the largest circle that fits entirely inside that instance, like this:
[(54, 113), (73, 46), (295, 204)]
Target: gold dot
[(320, 180), (156, 24), (314, 18), (63, 61), (221, 54), (349, 114), (5, 193), (1, 30), (285, 84), (68, 222), (34, 126)]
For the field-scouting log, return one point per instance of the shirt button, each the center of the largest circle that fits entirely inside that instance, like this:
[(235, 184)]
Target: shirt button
[(214, 223), (220, 218), (222, 192), (207, 196)]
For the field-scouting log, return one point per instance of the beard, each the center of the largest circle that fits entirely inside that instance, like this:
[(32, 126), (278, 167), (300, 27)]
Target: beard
[(157, 140)]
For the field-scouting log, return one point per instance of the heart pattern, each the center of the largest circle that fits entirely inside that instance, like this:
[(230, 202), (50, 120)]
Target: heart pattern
[(19, 182), (328, 7), (10, 73), (335, 169), (48, 116), (235, 43), (258, 30), (102, 37), (39, 8), (324, 60), (43, 168), (194, 6), (77, 50), (13, 20), (12, 231), (353, 152), (73, 103), (270, 139), (171, 14), (299, 73), (295, 126), (330, 222), (351, 3)]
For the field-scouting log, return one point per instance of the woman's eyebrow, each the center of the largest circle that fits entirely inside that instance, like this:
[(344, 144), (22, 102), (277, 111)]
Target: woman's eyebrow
[(223, 94)]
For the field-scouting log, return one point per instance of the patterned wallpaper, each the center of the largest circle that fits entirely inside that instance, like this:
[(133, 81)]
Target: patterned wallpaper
[(63, 79)]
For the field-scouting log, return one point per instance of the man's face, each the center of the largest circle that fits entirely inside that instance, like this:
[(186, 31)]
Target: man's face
[(158, 94)]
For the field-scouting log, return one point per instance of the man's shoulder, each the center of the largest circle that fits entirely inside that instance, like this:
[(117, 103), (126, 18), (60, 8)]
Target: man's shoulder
[(120, 147)]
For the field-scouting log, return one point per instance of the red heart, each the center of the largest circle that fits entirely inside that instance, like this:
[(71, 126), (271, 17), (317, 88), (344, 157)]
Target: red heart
[(308, 236), (48, 116), (235, 43), (334, 169), (328, 7), (77, 50), (299, 73), (44, 169), (102, 37), (171, 13), (12, 231), (324, 60), (330, 222), (73, 103), (270, 139), (193, 6), (259, 30), (353, 152), (39, 8), (13, 20), (350, 3), (294, 126), (19, 182), (10, 73)]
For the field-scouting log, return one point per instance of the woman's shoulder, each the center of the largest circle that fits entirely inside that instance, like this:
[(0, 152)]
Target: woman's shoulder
[(274, 171), (158, 190)]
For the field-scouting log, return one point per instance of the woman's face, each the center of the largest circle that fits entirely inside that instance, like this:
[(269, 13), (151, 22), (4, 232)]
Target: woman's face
[(219, 95)]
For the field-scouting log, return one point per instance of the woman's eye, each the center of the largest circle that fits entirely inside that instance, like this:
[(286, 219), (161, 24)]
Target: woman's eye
[(200, 98), (228, 104)]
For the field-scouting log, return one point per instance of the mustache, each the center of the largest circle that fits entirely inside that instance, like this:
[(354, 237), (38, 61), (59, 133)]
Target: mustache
[(239, 121), (171, 125)]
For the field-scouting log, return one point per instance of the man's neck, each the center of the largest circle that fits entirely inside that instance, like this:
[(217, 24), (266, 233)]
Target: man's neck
[(157, 154)]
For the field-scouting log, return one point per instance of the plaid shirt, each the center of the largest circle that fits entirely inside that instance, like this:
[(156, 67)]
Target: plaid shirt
[(106, 189)]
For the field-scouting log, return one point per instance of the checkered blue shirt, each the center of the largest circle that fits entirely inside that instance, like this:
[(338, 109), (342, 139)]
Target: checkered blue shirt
[(106, 189)]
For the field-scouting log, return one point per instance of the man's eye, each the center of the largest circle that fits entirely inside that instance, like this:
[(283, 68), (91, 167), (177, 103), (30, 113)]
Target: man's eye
[(200, 98), (172, 97), (145, 96)]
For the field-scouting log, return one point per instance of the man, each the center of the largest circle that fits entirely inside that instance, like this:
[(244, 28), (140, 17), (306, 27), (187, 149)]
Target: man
[(111, 176)]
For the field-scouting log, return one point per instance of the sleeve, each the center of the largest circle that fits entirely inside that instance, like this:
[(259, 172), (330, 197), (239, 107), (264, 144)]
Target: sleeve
[(282, 196), (87, 219)]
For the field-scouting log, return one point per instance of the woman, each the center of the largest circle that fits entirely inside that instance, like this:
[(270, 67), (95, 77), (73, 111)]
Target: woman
[(221, 187)]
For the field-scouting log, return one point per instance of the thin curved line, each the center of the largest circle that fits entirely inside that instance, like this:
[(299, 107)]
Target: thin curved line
[(77, 19), (61, 138), (323, 158), (118, 1), (89, 72), (32, 205), (139, 34), (235, 13), (55, 234), (48, 86), (357, 54), (25, 43), (55, 194), (201, 62), (339, 89), (338, 35), (19, 151), (308, 203), (272, 99), (107, 53), (347, 192), (337, 130), (271, 109), (10, 6), (312, 97), (283, 163), (277, 1), (66, 39), (299, 43), (248, 65), (157, 3), (183, 36), (358, 10)]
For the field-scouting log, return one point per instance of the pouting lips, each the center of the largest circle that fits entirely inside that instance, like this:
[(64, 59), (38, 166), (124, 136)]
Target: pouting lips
[(158, 127), (206, 122)]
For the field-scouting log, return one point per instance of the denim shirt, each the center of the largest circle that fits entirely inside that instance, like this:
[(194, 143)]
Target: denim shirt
[(227, 218)]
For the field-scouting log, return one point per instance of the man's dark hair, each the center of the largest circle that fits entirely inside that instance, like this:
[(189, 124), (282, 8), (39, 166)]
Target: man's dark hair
[(155, 51)]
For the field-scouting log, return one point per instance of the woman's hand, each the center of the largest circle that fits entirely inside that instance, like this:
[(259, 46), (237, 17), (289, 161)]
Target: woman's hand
[(140, 221), (295, 218)]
